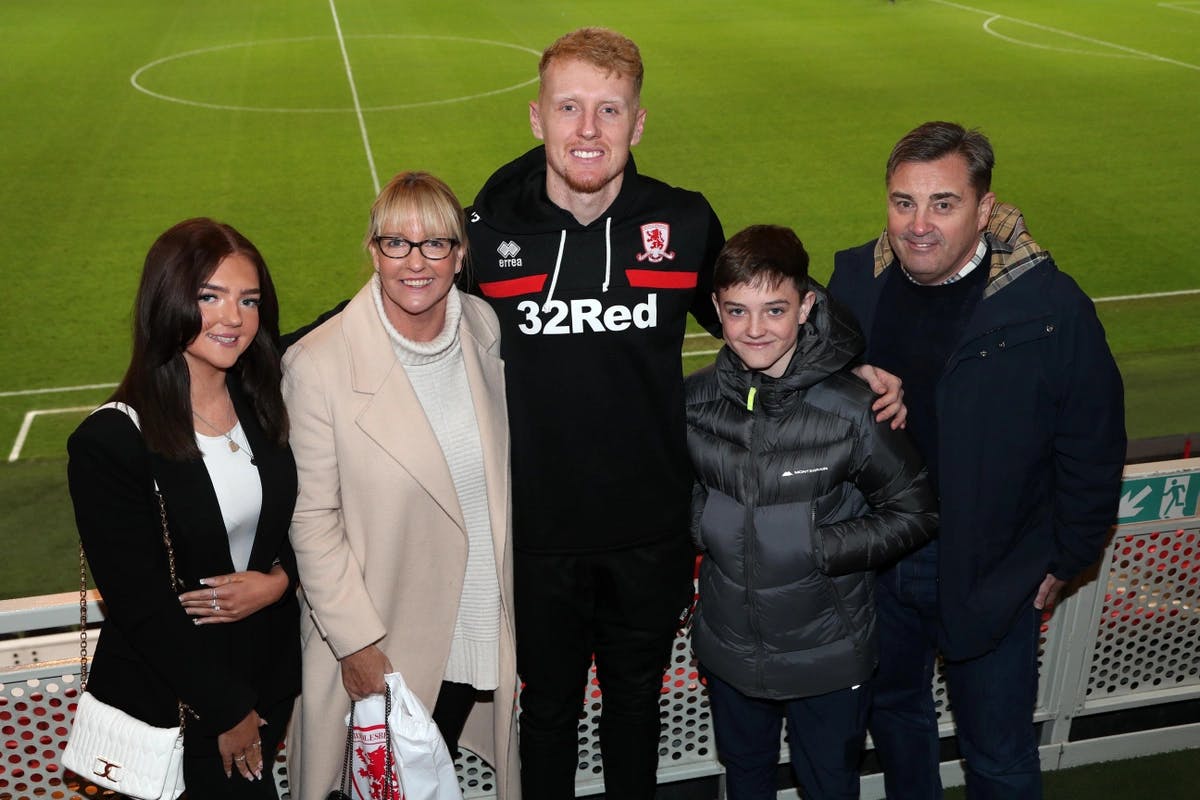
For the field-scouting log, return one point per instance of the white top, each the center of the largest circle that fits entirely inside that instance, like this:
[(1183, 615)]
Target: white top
[(438, 376), (239, 490)]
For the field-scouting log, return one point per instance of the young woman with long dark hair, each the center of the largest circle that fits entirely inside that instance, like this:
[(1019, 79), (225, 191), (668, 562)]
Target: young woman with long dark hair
[(198, 417)]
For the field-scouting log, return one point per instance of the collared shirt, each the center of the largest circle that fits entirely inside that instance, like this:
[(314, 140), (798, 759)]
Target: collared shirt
[(980, 253)]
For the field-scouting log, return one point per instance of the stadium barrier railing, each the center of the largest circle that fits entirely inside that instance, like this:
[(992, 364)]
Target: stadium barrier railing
[(1120, 667)]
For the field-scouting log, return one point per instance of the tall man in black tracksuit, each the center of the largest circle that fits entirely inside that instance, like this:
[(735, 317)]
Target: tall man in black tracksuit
[(592, 269), (1016, 404)]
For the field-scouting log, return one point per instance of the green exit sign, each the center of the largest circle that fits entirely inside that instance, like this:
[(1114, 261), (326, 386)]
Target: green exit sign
[(1166, 496)]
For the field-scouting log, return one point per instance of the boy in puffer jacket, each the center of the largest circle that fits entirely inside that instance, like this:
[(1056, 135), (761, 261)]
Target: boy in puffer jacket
[(800, 496)]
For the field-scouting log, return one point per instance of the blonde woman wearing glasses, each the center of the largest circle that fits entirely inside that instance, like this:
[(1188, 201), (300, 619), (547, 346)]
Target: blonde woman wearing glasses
[(401, 528)]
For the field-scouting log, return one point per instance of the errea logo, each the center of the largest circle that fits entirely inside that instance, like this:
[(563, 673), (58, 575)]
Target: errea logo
[(508, 254)]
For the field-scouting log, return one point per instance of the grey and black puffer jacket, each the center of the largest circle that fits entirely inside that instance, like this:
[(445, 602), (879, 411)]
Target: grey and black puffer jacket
[(800, 496)]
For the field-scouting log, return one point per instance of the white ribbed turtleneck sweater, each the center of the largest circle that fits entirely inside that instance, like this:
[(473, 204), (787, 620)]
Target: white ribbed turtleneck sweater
[(439, 377)]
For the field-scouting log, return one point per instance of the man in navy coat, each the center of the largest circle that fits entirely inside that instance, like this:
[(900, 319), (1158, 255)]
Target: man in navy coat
[(1016, 403)]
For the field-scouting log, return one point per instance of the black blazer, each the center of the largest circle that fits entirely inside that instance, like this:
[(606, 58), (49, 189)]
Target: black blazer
[(151, 653)]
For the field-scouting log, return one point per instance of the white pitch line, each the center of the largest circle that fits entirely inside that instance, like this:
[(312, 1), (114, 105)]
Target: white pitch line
[(136, 78), (1181, 7), (27, 423), (362, 124), (1150, 296), (702, 335), (57, 389), (1080, 37), (1113, 299), (987, 26)]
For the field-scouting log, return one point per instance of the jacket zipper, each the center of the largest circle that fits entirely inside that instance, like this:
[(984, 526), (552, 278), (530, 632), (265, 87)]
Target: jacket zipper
[(751, 499)]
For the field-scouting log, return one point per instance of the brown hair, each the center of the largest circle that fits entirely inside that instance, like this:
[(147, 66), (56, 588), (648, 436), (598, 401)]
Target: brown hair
[(762, 255), (604, 49), (934, 140), (166, 319)]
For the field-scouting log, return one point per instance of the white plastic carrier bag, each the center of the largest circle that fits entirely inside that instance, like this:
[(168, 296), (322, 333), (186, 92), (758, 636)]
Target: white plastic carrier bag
[(419, 767)]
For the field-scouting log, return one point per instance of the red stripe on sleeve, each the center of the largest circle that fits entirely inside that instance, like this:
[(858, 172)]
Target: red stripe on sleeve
[(659, 279), (530, 284)]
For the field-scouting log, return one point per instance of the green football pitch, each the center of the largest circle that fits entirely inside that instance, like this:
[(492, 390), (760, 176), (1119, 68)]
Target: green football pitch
[(282, 117)]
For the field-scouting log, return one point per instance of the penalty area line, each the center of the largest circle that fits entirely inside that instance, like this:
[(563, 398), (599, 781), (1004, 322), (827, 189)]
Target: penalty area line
[(27, 423)]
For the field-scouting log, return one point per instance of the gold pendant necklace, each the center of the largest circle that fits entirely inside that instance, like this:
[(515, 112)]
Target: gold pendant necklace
[(233, 446)]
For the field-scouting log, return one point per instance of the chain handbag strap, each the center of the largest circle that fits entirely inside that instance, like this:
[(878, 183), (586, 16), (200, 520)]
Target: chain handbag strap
[(388, 763), (166, 536), (175, 586), (344, 794), (83, 660), (388, 791)]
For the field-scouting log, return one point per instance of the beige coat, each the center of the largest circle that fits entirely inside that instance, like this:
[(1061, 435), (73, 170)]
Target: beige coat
[(379, 536)]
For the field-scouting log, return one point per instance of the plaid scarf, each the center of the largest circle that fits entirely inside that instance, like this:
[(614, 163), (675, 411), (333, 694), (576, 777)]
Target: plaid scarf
[(1014, 252)]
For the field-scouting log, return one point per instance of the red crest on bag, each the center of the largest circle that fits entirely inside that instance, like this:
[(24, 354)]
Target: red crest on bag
[(370, 764)]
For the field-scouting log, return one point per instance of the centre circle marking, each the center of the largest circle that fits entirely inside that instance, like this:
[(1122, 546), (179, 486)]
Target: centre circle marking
[(134, 79)]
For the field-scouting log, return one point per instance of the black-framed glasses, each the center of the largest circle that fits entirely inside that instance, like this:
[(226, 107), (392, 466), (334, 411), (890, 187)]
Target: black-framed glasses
[(399, 247)]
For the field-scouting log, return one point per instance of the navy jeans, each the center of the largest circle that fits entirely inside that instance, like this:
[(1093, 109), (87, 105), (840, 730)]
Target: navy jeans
[(825, 738), (903, 718), (992, 696)]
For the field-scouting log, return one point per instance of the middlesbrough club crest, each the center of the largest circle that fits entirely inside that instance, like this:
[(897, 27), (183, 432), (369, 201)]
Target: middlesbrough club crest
[(656, 236)]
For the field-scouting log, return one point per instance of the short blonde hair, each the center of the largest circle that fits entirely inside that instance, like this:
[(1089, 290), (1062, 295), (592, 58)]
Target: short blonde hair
[(604, 49), (421, 197)]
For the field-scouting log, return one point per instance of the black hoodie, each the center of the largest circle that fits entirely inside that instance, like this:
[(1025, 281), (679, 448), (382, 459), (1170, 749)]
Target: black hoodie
[(592, 320)]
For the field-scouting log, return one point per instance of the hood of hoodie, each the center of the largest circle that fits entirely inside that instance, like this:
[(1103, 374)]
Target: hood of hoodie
[(829, 342), (514, 199)]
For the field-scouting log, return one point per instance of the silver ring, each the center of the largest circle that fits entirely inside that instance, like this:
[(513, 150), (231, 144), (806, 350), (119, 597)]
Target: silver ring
[(215, 606), (257, 744), (239, 758), (214, 592)]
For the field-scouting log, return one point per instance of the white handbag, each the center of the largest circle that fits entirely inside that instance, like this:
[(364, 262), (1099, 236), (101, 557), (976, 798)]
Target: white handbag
[(117, 751), (109, 747)]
